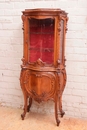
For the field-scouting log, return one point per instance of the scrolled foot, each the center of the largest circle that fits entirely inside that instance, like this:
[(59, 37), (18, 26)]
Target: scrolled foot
[(58, 122), (22, 116), (62, 113)]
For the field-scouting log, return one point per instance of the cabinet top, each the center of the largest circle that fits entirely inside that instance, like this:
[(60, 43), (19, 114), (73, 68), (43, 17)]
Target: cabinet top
[(44, 11)]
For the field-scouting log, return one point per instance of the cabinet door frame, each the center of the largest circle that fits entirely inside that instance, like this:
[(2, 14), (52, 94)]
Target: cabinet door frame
[(26, 36)]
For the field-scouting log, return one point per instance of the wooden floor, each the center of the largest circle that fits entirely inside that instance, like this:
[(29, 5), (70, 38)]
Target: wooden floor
[(10, 120)]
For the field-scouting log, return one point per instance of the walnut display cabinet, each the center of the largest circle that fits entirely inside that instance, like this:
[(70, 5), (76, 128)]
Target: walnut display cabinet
[(43, 74)]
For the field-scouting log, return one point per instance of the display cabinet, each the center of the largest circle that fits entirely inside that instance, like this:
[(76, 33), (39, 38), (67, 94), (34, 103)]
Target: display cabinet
[(43, 74)]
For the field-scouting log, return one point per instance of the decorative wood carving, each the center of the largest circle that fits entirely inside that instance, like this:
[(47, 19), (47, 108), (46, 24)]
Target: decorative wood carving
[(43, 94), (38, 63), (43, 74)]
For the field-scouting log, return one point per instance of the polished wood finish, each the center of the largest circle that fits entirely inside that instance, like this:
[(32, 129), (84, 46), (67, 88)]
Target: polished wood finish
[(43, 77)]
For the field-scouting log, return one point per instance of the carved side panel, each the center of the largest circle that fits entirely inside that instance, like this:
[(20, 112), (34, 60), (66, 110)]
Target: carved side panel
[(40, 86)]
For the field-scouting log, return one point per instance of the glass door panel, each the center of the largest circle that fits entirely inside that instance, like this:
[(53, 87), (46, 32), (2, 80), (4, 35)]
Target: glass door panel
[(41, 40)]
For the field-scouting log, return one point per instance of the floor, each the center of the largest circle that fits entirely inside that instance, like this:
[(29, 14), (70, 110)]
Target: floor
[(10, 120)]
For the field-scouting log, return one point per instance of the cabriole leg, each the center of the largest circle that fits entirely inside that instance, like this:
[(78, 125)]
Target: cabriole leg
[(56, 112), (25, 107), (60, 107)]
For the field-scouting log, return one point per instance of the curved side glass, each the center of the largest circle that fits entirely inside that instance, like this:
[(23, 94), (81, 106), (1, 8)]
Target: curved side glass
[(61, 41)]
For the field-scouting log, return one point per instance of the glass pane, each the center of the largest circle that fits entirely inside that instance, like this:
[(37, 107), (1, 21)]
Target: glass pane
[(41, 37), (61, 40)]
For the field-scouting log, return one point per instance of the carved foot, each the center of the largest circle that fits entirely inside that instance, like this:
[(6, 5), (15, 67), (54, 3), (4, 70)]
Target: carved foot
[(22, 116), (62, 113), (58, 122)]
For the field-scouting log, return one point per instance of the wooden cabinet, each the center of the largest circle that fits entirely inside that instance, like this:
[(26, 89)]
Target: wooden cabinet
[(43, 74)]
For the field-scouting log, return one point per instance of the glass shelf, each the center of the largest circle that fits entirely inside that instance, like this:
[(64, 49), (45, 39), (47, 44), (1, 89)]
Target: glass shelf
[(42, 49)]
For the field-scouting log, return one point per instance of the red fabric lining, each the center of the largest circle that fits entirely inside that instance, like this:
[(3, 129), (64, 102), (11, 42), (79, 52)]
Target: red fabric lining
[(41, 42)]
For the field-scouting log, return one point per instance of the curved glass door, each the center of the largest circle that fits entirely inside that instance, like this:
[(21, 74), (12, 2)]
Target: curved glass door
[(41, 40)]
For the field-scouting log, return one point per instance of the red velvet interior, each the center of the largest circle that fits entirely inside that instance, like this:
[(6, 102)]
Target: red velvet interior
[(41, 40)]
